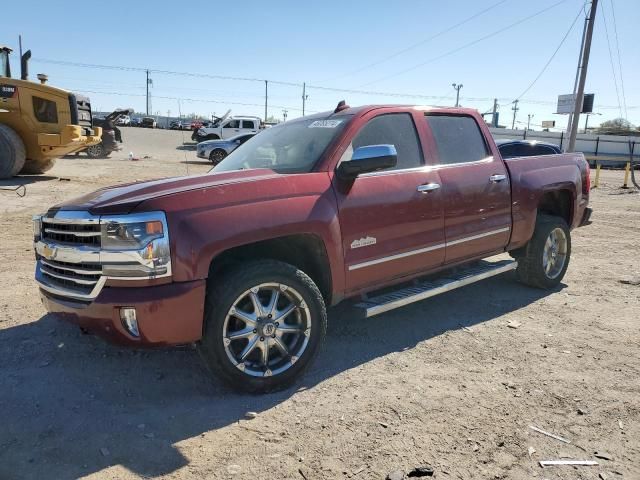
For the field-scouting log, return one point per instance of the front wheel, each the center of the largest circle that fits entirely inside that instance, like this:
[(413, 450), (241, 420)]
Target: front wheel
[(217, 155), (96, 151), (264, 323), (543, 262)]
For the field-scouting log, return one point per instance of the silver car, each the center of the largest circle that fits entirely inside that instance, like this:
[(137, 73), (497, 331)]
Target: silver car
[(217, 150)]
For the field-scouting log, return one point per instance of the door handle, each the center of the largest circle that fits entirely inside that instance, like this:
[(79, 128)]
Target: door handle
[(429, 187), (497, 178)]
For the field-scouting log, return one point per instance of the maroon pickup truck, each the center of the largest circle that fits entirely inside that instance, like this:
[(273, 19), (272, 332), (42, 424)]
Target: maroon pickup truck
[(244, 260)]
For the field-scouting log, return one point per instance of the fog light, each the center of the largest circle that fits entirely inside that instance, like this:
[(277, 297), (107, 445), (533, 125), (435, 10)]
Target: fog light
[(129, 320)]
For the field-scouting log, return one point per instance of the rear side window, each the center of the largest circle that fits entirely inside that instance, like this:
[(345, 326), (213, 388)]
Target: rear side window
[(542, 150), (513, 150), (248, 124), (393, 129), (45, 110), (458, 138)]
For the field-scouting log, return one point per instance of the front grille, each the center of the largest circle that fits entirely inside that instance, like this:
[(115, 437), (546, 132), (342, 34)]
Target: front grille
[(78, 277), (71, 233), (80, 110)]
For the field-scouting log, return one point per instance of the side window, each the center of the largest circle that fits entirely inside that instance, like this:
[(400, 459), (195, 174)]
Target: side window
[(392, 129), (458, 138), (511, 150), (233, 124), (248, 124), (541, 150), (45, 110)]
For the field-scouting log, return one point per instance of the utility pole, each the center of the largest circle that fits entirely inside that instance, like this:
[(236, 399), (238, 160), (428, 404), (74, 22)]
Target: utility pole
[(266, 96), (285, 112), (494, 119), (584, 63), (147, 93), (457, 87), (304, 96), (515, 111), (575, 83), (529, 117)]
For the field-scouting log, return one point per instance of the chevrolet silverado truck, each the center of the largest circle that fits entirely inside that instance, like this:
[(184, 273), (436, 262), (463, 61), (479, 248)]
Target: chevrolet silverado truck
[(387, 205)]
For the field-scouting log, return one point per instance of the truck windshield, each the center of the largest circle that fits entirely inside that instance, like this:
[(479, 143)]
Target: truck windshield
[(291, 147)]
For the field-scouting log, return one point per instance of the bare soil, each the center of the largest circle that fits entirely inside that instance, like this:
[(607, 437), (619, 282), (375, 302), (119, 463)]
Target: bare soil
[(446, 382)]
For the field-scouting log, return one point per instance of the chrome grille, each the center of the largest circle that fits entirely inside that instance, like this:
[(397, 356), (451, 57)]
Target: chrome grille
[(77, 277), (84, 233)]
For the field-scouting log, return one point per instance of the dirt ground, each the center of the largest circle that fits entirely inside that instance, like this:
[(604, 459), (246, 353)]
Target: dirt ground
[(445, 382)]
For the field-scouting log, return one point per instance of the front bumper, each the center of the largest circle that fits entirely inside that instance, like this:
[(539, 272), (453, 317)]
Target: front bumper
[(170, 314), (71, 139)]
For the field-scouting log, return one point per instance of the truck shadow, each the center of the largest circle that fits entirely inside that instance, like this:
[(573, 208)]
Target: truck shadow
[(72, 405)]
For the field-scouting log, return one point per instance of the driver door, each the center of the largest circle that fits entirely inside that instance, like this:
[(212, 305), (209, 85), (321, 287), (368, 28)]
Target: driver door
[(392, 221)]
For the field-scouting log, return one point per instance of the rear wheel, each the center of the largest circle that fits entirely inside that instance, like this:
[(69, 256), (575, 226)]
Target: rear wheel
[(96, 151), (264, 324), (543, 262), (13, 153), (217, 155)]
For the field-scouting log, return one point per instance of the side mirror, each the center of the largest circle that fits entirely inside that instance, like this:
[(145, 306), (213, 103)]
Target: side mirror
[(368, 159)]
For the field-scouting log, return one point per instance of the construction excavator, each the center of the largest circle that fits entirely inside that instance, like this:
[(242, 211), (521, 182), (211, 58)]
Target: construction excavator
[(39, 123)]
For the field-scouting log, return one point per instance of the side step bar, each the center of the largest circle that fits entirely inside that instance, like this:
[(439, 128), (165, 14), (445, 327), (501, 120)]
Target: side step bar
[(426, 289)]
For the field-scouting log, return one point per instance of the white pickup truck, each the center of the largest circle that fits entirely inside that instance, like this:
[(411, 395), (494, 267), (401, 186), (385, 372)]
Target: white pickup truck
[(227, 127)]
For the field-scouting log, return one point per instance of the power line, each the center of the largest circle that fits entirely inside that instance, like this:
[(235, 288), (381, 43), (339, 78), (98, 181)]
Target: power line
[(613, 69), (546, 65), (316, 87), (615, 29), (466, 45), (162, 72), (422, 42), (183, 99)]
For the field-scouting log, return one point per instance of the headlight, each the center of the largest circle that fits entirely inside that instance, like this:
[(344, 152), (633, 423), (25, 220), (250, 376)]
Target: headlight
[(135, 245), (37, 227)]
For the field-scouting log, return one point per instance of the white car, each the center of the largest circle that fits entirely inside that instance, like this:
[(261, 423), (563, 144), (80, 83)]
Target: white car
[(227, 127), (124, 120)]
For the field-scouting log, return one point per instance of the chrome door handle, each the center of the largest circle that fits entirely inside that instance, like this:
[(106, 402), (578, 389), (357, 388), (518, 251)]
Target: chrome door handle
[(497, 178), (429, 187)]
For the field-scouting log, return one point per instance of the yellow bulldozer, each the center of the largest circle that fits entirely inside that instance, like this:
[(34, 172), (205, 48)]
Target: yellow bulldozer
[(38, 122)]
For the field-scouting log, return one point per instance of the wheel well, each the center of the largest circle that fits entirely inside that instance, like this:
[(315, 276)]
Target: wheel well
[(557, 202), (305, 251)]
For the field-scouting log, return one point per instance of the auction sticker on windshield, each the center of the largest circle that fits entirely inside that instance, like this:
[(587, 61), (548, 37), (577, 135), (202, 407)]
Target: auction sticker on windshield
[(325, 124)]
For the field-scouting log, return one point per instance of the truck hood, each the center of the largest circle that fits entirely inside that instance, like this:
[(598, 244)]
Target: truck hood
[(122, 199)]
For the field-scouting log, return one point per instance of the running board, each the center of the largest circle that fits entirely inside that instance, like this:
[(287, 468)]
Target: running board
[(426, 289)]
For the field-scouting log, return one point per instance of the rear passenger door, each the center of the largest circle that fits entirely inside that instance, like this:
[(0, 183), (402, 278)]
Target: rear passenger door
[(475, 187), (391, 220), (249, 126)]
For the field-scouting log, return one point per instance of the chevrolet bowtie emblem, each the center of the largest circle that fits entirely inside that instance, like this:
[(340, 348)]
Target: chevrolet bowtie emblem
[(48, 252)]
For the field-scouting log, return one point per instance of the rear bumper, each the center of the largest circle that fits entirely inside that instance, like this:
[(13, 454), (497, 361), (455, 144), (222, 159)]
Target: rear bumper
[(170, 314), (586, 217)]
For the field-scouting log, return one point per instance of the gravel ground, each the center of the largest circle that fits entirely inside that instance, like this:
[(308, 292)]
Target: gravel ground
[(446, 382)]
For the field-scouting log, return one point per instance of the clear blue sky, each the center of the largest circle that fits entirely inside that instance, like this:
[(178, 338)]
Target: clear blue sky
[(328, 44)]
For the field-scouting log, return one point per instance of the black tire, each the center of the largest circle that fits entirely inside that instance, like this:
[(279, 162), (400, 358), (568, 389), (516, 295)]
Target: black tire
[(13, 153), (96, 151), (222, 293), (34, 167), (531, 270), (217, 155), (211, 136)]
